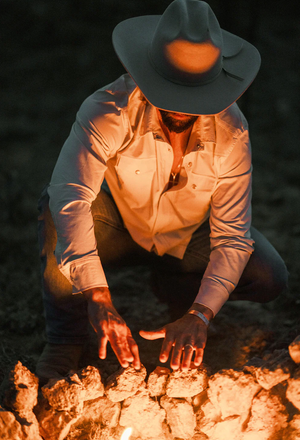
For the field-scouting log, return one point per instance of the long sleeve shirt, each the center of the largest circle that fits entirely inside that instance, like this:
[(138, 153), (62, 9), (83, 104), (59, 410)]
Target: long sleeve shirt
[(117, 136)]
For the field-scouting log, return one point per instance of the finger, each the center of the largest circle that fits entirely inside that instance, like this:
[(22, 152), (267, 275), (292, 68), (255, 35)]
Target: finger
[(198, 357), (102, 347), (176, 356), (154, 334), (121, 349), (166, 350), (135, 352), (187, 357)]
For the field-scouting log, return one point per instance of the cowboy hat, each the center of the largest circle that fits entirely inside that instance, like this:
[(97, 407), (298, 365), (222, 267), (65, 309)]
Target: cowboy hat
[(183, 61)]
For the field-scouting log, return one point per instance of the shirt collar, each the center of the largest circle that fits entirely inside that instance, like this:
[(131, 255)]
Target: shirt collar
[(203, 130)]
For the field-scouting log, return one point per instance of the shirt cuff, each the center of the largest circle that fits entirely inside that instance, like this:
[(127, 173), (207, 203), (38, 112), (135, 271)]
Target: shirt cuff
[(85, 273), (212, 295)]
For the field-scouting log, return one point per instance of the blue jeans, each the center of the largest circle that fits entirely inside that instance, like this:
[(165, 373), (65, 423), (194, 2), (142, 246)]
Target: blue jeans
[(177, 281)]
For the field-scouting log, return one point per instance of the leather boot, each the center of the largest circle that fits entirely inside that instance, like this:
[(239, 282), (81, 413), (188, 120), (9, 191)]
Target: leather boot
[(57, 360)]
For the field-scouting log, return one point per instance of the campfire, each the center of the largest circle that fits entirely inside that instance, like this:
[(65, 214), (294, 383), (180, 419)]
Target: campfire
[(260, 401)]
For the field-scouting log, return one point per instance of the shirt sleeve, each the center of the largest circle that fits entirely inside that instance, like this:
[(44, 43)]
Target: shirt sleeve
[(230, 220), (99, 129)]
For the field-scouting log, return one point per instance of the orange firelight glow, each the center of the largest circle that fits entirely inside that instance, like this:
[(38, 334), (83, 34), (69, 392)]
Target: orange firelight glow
[(126, 434)]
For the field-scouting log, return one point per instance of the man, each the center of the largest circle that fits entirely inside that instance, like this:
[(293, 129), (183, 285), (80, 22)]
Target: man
[(157, 167)]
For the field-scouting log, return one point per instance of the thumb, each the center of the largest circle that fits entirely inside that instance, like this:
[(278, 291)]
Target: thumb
[(153, 334)]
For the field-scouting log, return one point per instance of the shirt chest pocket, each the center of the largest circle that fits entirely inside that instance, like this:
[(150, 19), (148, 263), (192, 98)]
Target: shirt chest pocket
[(135, 177), (194, 198), (200, 182)]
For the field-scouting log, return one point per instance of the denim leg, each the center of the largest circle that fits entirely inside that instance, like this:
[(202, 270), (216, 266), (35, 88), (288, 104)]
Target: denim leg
[(265, 277), (178, 281)]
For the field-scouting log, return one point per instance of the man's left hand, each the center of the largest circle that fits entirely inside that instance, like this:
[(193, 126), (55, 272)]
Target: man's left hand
[(186, 335)]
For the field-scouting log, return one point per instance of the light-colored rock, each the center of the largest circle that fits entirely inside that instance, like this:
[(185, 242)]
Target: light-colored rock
[(207, 417), (64, 394), (208, 414), (29, 425), (23, 389), (54, 425), (277, 368), (199, 436), (10, 428), (292, 432), (91, 381), (144, 415), (21, 397), (180, 417), (294, 350), (293, 389), (157, 381), (125, 383), (199, 400), (101, 410), (230, 428), (187, 383), (232, 392), (268, 417)]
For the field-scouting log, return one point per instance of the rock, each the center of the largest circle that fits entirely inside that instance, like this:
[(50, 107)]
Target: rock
[(91, 381), (21, 397), (232, 392), (207, 416), (230, 428), (29, 425), (277, 368), (143, 415), (54, 424), (252, 365), (294, 350), (180, 417), (101, 410), (292, 432), (157, 381), (23, 389), (268, 417), (125, 383), (64, 394), (10, 428), (69, 393), (209, 422), (293, 389), (187, 383)]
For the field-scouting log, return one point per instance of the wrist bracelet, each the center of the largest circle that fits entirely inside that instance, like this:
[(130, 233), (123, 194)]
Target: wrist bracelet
[(200, 315)]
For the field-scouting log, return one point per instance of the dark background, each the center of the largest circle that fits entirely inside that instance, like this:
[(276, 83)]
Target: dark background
[(53, 55)]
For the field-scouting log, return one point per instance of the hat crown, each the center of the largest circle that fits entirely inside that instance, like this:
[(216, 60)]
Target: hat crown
[(187, 44)]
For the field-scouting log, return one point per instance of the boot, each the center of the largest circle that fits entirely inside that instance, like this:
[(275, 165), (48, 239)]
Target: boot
[(57, 360)]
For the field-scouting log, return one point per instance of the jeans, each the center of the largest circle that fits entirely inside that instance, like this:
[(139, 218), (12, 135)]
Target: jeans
[(176, 281)]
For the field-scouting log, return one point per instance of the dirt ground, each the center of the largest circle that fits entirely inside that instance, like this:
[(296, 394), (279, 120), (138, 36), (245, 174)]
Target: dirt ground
[(57, 53)]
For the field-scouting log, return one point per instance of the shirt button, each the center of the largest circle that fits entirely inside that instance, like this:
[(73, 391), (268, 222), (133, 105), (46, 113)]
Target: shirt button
[(194, 186), (200, 147), (137, 172), (189, 164)]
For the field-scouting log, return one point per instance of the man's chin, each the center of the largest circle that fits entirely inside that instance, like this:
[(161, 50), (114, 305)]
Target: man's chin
[(177, 122)]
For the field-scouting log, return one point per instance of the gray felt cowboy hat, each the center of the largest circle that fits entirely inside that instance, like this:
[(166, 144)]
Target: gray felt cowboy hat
[(183, 61)]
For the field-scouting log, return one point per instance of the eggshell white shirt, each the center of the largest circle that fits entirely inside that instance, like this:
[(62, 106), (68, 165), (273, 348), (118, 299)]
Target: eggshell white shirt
[(117, 135)]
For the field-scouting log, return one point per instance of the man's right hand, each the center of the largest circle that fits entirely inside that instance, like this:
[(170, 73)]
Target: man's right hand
[(109, 326)]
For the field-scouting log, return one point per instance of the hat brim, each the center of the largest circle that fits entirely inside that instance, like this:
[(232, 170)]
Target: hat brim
[(241, 61)]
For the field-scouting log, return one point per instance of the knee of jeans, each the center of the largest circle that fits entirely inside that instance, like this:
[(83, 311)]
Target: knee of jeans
[(275, 282)]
